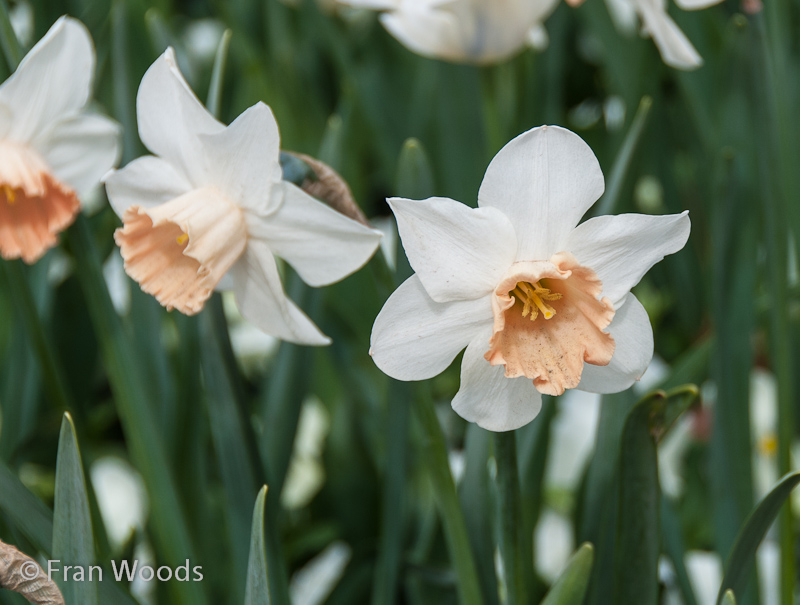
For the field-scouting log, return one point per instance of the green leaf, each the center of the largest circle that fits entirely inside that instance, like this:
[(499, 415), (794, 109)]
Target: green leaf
[(73, 539), (570, 587), (35, 520), (638, 540), (510, 518), (231, 435), (728, 598), (257, 592), (740, 562), (455, 531), (414, 175), (26, 511), (214, 100), (475, 497), (619, 170)]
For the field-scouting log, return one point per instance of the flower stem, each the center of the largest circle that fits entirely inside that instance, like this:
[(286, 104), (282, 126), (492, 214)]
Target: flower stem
[(505, 454), (26, 308), (777, 167), (455, 529)]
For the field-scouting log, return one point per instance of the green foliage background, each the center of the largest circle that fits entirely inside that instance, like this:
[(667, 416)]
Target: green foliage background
[(167, 393)]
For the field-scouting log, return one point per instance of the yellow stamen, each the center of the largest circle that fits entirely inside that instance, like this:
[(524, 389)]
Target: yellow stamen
[(768, 445), (532, 298), (182, 239), (10, 195)]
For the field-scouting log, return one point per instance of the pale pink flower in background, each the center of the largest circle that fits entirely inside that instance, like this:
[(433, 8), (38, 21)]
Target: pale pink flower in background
[(211, 204), (541, 303), (51, 150), (462, 31)]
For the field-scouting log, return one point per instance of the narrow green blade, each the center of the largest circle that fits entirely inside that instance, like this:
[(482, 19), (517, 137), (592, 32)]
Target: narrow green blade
[(73, 539), (570, 587), (742, 557), (257, 592)]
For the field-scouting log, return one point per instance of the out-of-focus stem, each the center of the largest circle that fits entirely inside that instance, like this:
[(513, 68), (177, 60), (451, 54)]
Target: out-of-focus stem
[(505, 454), (455, 528)]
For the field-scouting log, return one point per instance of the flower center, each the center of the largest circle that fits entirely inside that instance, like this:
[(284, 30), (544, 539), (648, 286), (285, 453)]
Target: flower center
[(551, 353), (533, 297), (179, 251), (34, 206)]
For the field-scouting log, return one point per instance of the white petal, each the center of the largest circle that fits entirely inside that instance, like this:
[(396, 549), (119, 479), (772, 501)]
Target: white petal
[(83, 149), (53, 81), (621, 249), (147, 181), (633, 336), (171, 119), (415, 338), (245, 157), (262, 301), (430, 33), (693, 5), (458, 252), (488, 398), (544, 181), (322, 245), (672, 43)]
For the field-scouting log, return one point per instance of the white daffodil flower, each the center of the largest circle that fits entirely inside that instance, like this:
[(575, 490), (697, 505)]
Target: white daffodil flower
[(675, 48), (51, 151), (462, 31), (540, 304), (211, 204)]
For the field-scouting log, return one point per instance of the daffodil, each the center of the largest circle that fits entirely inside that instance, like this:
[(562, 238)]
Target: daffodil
[(210, 204), (675, 48), (461, 31), (541, 303), (51, 150)]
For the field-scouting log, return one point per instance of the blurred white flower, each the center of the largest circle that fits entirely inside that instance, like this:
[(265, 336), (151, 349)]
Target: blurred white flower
[(764, 429), (312, 584), (554, 544), (675, 48), (211, 203), (121, 498), (705, 574), (51, 151), (462, 31), (526, 291), (306, 473), (572, 438)]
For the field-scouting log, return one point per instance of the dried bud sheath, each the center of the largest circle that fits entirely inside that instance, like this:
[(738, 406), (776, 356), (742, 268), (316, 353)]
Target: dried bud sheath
[(20, 573), (331, 188)]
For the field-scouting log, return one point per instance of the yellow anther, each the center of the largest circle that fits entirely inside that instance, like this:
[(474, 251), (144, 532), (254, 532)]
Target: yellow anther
[(532, 298), (11, 196), (768, 445), (182, 239)]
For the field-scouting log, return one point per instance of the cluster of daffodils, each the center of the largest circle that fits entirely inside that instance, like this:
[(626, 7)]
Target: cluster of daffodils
[(488, 31), (540, 303)]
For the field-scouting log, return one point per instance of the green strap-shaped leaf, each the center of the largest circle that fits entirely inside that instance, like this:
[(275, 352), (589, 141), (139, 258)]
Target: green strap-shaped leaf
[(740, 562), (570, 587), (73, 540), (638, 532), (257, 592), (638, 541)]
